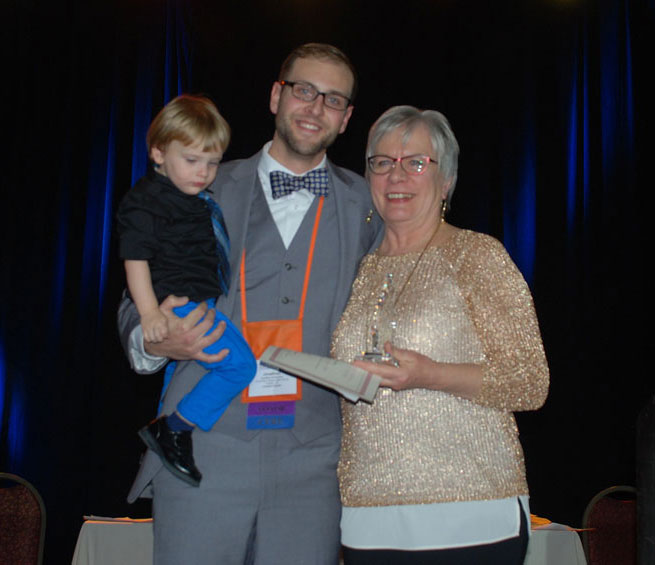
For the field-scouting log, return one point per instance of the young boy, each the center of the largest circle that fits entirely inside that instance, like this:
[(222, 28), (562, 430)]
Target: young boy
[(174, 241)]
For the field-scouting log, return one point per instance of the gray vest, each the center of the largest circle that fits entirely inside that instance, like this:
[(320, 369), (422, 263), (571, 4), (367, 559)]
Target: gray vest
[(274, 280)]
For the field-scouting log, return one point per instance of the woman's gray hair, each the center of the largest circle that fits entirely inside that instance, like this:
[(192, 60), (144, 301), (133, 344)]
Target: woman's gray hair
[(443, 139)]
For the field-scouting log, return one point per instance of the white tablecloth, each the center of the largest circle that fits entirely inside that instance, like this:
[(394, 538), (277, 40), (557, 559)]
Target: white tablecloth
[(126, 542), (555, 547)]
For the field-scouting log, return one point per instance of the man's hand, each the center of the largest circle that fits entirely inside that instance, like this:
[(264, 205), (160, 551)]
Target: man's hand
[(186, 336)]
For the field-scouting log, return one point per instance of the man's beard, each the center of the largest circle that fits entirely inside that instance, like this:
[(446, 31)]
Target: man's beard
[(302, 147)]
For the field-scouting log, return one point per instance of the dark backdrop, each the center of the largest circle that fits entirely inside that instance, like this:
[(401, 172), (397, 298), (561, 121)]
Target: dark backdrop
[(550, 101)]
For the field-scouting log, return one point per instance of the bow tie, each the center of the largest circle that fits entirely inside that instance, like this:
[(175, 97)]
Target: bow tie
[(315, 181)]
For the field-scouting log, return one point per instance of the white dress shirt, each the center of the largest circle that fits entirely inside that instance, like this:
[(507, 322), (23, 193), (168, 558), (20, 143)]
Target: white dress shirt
[(444, 525), (288, 212)]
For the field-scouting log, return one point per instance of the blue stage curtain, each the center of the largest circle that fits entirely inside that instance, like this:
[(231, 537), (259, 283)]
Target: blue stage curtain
[(55, 325)]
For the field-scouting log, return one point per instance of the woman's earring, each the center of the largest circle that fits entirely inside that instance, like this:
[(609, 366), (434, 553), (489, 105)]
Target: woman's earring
[(444, 207)]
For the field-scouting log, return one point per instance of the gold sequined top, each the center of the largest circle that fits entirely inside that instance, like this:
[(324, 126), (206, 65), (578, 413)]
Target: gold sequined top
[(466, 302)]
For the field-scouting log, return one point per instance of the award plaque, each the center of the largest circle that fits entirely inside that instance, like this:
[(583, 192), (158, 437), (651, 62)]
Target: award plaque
[(382, 327)]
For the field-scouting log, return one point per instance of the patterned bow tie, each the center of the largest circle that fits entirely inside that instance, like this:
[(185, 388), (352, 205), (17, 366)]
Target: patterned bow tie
[(315, 181), (222, 240)]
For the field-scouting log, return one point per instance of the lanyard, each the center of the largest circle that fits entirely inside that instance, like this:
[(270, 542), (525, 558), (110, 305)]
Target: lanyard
[(280, 333)]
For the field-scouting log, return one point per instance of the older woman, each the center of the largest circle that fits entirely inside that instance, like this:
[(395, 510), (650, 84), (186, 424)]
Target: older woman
[(433, 471)]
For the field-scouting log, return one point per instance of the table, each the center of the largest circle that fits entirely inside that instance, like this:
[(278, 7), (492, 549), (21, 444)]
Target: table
[(114, 542), (122, 541), (555, 545)]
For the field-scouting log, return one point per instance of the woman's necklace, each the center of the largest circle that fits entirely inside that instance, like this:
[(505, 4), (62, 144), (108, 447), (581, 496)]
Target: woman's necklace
[(418, 260), (383, 323)]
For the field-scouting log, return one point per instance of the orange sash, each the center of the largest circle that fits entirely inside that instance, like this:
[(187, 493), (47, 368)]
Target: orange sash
[(280, 333)]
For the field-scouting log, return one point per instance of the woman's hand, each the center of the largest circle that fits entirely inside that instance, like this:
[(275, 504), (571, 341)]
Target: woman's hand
[(415, 370)]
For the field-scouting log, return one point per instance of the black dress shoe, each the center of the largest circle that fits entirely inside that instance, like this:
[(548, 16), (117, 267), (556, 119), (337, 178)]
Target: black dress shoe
[(175, 449)]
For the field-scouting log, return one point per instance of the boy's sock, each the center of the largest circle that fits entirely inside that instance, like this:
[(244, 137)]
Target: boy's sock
[(177, 424)]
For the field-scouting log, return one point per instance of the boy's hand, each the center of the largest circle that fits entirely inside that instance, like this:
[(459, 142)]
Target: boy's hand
[(155, 327)]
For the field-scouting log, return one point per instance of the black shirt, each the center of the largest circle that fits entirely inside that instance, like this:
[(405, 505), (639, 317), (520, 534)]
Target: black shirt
[(171, 230)]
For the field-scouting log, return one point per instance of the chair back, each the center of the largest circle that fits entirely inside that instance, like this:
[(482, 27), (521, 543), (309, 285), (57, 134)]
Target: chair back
[(22, 522), (609, 527)]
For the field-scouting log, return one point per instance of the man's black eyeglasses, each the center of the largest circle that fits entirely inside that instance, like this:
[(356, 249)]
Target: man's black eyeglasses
[(308, 93)]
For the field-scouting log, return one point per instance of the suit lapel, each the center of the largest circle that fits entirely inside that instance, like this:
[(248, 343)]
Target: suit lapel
[(235, 190), (350, 223)]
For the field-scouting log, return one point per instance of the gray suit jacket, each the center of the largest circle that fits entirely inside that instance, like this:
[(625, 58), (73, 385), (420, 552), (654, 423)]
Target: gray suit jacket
[(235, 190)]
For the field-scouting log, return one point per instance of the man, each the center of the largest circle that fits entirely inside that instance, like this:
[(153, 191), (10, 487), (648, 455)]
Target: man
[(269, 491)]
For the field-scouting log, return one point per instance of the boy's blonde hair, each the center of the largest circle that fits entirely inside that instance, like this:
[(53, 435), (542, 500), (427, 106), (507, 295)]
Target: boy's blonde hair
[(189, 119)]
